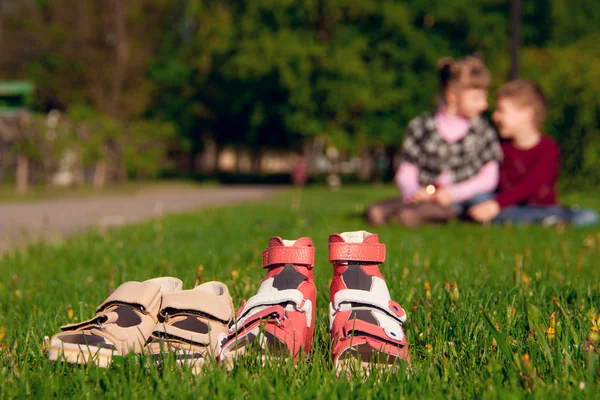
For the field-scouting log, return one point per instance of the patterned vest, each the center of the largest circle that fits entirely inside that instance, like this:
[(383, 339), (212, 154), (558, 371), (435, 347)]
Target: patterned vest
[(425, 148)]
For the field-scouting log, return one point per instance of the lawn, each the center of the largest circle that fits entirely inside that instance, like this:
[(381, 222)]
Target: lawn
[(494, 312)]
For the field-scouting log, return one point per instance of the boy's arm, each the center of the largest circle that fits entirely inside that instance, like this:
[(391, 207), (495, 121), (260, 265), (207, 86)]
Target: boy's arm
[(544, 172), (486, 180)]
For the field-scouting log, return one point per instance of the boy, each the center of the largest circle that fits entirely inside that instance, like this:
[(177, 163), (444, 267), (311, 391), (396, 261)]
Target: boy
[(529, 171)]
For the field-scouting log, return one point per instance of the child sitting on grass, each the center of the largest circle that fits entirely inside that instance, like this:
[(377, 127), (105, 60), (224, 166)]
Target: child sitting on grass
[(529, 171), (450, 160)]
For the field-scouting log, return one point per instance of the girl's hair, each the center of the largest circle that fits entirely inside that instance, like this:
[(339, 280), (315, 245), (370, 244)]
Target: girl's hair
[(466, 73)]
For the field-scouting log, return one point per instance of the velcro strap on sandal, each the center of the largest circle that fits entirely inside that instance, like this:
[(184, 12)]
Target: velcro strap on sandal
[(142, 295), (357, 327), (274, 312), (197, 301), (264, 302), (174, 332), (289, 255), (366, 252), (273, 298), (95, 322), (369, 299)]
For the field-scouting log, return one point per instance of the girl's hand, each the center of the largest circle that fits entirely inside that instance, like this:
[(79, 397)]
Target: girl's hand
[(485, 212), (420, 196), (443, 197)]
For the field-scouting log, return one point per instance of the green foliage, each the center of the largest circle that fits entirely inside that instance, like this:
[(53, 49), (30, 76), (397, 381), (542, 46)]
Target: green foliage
[(573, 20), (141, 146), (488, 337), (93, 131), (271, 74), (573, 92), (145, 144)]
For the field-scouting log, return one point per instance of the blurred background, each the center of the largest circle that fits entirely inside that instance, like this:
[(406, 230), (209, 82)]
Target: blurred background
[(97, 92)]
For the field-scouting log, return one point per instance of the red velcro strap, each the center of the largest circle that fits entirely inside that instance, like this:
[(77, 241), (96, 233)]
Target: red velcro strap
[(289, 255), (369, 252)]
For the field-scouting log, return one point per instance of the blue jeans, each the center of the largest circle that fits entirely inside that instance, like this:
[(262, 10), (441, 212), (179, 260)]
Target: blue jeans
[(460, 209), (548, 215)]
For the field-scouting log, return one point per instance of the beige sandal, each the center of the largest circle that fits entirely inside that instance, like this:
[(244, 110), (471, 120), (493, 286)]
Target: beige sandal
[(123, 324), (190, 323)]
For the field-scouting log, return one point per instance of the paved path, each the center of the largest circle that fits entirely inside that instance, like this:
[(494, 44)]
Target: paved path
[(22, 222)]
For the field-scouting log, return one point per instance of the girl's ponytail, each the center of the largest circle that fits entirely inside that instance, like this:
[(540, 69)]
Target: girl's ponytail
[(466, 72), (444, 66)]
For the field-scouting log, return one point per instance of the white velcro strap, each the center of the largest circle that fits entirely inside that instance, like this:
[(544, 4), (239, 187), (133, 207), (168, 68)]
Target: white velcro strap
[(307, 310), (274, 298), (390, 326), (365, 298), (260, 301)]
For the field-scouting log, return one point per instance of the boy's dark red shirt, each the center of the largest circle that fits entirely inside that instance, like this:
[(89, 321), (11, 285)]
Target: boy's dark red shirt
[(529, 176)]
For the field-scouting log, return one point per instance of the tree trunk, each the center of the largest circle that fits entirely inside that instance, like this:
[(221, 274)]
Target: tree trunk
[(208, 159), (22, 174), (78, 173), (99, 180), (238, 158), (218, 151), (122, 54), (257, 162), (366, 164), (308, 152)]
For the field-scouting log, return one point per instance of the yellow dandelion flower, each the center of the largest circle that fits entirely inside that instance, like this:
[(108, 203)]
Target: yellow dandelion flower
[(594, 335), (427, 287), (454, 295), (589, 242), (553, 320), (550, 334), (525, 279), (526, 363)]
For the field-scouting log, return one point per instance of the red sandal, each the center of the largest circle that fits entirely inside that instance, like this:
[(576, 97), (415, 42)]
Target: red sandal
[(365, 323), (280, 318)]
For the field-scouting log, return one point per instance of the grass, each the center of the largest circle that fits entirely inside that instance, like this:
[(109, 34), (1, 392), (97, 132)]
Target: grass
[(500, 312)]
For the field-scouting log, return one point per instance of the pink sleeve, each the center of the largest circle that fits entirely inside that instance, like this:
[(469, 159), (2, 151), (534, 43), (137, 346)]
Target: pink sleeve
[(407, 179), (486, 180)]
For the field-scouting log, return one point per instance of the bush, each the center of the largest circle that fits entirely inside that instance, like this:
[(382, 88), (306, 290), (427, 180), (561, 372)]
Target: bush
[(570, 77)]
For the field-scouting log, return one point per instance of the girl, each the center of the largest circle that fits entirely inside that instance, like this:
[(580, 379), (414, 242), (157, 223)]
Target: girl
[(450, 159)]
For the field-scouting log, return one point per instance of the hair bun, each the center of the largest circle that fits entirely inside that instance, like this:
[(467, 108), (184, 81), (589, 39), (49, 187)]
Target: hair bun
[(445, 74), (445, 70), (445, 62)]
